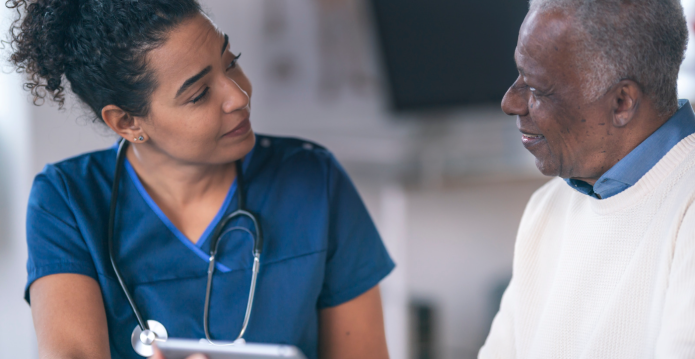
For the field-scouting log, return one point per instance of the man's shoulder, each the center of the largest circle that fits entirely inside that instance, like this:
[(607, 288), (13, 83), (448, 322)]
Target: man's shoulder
[(554, 185), (556, 190)]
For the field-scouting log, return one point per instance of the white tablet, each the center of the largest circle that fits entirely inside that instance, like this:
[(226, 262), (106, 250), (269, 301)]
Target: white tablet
[(182, 348)]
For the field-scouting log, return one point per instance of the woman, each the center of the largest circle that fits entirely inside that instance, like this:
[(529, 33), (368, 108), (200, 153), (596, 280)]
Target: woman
[(164, 78)]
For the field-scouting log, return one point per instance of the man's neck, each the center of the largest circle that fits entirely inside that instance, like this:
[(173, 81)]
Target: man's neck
[(626, 139)]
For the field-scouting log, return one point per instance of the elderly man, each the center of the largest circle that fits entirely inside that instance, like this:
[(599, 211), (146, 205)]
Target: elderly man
[(604, 264)]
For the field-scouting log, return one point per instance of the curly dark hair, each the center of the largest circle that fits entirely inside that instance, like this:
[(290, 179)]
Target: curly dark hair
[(100, 46)]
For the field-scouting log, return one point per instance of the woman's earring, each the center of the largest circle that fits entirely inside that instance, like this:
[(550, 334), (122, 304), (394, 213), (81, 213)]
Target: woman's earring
[(141, 138)]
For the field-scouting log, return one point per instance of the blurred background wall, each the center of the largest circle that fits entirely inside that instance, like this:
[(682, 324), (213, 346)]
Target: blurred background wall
[(443, 172), (17, 338)]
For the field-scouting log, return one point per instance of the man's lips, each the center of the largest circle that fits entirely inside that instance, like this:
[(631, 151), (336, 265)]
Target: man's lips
[(240, 129), (528, 138), (531, 135)]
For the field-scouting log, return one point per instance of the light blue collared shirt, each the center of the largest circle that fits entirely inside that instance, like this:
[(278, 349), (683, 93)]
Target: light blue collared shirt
[(637, 163)]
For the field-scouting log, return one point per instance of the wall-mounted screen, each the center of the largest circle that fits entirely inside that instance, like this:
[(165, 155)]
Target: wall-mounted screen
[(448, 53)]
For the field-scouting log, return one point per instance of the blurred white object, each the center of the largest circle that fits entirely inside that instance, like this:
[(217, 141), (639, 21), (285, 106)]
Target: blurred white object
[(686, 78), (394, 289)]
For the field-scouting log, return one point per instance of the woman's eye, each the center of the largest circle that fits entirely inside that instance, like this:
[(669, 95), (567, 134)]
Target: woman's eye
[(201, 96), (233, 63)]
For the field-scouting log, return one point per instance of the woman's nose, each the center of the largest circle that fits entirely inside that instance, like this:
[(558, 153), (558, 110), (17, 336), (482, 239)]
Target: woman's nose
[(235, 97), (514, 101)]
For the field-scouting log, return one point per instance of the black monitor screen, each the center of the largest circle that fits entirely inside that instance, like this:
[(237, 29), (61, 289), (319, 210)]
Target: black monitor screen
[(448, 53)]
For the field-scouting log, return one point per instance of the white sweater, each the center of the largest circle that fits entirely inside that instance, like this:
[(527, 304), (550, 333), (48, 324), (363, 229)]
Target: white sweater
[(612, 278)]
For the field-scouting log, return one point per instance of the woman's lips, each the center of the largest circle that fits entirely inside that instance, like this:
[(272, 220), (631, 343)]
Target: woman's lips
[(241, 129)]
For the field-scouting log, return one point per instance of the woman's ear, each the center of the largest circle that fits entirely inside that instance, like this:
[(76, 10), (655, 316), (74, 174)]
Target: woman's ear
[(627, 98), (124, 124)]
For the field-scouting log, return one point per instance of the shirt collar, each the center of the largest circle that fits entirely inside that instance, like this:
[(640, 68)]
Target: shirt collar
[(639, 161)]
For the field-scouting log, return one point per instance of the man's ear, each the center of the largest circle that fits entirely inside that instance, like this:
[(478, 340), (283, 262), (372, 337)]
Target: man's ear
[(627, 96), (122, 123)]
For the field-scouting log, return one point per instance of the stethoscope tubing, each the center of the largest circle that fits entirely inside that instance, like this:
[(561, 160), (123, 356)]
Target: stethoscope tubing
[(120, 159), (214, 244), (249, 304)]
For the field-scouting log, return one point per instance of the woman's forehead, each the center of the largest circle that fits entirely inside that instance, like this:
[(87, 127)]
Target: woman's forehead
[(190, 47)]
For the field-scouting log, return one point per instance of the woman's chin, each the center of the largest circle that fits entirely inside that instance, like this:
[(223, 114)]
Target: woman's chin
[(244, 146)]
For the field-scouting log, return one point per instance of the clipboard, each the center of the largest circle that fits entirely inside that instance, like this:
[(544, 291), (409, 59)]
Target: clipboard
[(182, 348)]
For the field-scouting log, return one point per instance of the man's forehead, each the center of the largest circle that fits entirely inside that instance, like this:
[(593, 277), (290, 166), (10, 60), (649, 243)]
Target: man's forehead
[(544, 38), (546, 30)]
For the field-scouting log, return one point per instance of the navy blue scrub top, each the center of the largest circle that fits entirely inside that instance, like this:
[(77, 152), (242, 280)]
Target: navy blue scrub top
[(321, 247)]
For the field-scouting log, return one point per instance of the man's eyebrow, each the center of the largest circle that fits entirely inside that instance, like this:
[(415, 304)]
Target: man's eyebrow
[(516, 63), (193, 80), (226, 42)]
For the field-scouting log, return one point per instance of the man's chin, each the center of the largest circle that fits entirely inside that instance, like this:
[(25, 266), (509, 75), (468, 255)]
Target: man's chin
[(546, 168)]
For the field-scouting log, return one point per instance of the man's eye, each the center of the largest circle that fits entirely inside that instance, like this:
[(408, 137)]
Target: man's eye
[(532, 89), (233, 63)]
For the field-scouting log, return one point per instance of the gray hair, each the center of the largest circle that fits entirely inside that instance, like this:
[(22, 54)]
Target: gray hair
[(640, 40)]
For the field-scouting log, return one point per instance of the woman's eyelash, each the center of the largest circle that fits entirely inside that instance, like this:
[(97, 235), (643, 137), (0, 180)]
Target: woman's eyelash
[(233, 63), (200, 97), (207, 89)]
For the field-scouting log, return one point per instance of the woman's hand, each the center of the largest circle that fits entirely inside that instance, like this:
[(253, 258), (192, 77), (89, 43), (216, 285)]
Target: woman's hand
[(354, 329), (158, 355)]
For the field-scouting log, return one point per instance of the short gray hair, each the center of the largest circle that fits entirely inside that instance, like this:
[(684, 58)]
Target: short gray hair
[(640, 40)]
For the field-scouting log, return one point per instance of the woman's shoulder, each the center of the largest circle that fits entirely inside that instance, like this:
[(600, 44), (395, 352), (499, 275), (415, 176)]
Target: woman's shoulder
[(295, 164), (79, 171), (285, 148), (275, 152)]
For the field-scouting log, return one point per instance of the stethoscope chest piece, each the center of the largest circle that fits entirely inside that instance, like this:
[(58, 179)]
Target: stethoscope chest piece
[(142, 340)]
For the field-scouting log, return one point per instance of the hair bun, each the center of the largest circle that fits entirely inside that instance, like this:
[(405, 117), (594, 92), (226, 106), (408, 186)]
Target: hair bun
[(37, 38), (98, 46)]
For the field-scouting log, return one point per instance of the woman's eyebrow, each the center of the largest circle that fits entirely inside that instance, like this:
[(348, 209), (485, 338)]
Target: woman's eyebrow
[(192, 80), (226, 42), (200, 75)]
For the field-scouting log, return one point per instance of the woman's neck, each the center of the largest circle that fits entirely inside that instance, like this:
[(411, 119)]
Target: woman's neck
[(178, 183)]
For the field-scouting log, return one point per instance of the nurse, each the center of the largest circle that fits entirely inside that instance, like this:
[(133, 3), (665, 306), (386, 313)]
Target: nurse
[(163, 77)]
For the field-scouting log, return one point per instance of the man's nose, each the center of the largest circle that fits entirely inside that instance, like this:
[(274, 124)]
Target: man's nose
[(514, 102)]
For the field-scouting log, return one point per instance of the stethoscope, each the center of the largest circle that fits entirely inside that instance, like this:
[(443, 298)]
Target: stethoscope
[(147, 332)]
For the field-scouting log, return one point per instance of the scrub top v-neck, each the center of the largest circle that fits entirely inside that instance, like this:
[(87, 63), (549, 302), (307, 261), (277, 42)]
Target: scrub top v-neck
[(321, 247), (195, 247)]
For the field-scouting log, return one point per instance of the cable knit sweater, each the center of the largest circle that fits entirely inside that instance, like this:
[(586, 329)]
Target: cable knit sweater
[(612, 278)]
